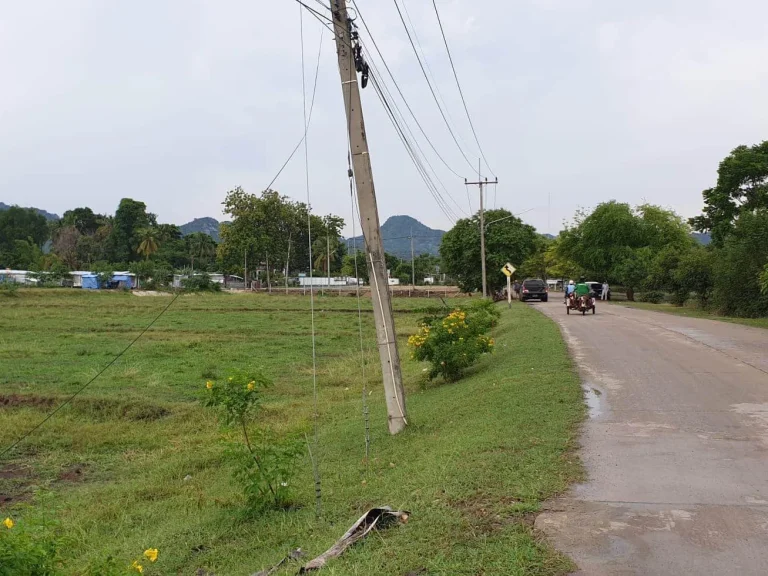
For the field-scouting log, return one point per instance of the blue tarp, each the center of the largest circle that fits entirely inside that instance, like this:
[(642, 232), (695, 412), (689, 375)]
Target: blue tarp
[(124, 280), (90, 282)]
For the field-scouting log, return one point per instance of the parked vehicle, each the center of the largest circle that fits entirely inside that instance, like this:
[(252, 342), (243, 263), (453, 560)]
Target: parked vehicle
[(534, 289)]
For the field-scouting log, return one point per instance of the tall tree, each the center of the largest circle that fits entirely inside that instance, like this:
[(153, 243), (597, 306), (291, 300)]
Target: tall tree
[(22, 234), (507, 239), (742, 187), (131, 217), (148, 244)]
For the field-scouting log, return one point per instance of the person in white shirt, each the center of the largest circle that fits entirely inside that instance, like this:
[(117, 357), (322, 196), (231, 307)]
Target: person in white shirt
[(606, 289)]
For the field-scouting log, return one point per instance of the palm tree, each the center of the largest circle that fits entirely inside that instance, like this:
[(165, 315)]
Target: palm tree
[(148, 244)]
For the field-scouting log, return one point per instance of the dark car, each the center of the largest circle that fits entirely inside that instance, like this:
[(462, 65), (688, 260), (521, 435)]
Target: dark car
[(597, 289), (534, 289)]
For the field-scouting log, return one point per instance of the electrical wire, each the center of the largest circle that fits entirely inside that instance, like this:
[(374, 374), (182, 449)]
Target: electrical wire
[(307, 119), (315, 12), (461, 92), (431, 89), (402, 122), (400, 92), (84, 386), (315, 457)]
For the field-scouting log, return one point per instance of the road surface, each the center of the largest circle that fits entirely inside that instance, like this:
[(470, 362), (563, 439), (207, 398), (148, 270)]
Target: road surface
[(675, 446)]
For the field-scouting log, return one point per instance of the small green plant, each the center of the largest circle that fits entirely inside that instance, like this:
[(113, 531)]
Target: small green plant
[(652, 297), (200, 283), (263, 467), (455, 342), (28, 549), (763, 279)]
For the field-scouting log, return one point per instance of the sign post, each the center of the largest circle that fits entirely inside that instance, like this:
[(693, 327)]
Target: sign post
[(508, 270)]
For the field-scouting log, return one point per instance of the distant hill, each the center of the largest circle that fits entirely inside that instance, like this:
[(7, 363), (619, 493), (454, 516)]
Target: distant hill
[(48, 215), (396, 231), (702, 238), (206, 225)]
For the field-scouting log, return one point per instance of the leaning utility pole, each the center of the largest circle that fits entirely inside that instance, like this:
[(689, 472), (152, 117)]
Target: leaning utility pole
[(351, 61), (480, 182)]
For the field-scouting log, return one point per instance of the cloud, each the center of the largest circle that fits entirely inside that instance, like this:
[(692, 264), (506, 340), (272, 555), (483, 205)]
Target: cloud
[(174, 103)]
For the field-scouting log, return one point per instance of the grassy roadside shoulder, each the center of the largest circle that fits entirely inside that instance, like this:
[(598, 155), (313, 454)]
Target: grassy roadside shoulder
[(692, 312), (478, 459)]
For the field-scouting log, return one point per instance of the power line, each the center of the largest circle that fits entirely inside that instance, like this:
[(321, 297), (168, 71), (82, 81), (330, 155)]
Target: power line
[(431, 89), (84, 386), (315, 12), (397, 87), (403, 122), (308, 120), (461, 92)]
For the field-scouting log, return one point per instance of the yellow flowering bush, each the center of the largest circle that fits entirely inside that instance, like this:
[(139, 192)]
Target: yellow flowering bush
[(112, 566), (454, 342), (28, 546), (262, 466)]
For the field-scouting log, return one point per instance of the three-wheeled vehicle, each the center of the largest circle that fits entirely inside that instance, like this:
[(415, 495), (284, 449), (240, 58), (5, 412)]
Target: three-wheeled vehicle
[(580, 303)]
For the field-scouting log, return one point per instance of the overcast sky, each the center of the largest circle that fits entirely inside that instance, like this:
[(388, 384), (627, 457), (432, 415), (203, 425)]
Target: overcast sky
[(175, 102)]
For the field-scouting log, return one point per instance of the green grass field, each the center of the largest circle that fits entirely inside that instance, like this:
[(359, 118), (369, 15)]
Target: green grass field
[(478, 458), (691, 311)]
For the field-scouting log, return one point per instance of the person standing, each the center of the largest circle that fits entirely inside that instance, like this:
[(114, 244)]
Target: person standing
[(606, 290), (516, 290)]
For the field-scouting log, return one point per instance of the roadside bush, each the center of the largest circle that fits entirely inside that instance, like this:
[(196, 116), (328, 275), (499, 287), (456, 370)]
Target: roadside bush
[(652, 297), (200, 283), (764, 280), (263, 467), (455, 342), (28, 549)]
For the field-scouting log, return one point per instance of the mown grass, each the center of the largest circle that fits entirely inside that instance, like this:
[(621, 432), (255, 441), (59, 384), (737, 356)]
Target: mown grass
[(478, 458), (691, 311)]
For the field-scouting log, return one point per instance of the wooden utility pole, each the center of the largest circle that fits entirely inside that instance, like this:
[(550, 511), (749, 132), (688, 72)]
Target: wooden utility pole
[(480, 182), (369, 220)]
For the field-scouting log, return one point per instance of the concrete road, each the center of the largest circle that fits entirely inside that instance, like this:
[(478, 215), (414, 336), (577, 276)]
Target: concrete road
[(675, 447)]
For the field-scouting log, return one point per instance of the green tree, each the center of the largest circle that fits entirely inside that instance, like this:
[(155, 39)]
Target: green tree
[(200, 247), (742, 187), (84, 220), (130, 218), (22, 234), (694, 273), (348, 266), (737, 267), (507, 240), (148, 244)]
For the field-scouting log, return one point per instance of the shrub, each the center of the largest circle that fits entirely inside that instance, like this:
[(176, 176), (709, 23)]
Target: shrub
[(652, 296), (455, 342), (28, 549), (200, 283), (262, 466)]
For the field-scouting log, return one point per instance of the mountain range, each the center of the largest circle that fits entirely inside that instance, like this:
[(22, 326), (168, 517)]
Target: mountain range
[(396, 232), (205, 225), (48, 215)]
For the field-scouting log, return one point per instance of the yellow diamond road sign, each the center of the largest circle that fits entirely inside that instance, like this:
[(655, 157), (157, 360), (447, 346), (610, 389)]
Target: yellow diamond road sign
[(508, 269)]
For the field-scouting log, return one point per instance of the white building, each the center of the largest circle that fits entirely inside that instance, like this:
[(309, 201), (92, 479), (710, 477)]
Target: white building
[(17, 276)]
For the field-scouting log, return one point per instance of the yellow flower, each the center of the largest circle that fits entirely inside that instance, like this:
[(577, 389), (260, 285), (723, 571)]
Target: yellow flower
[(150, 554), (209, 384), (251, 385), (229, 379), (138, 567), (8, 523)]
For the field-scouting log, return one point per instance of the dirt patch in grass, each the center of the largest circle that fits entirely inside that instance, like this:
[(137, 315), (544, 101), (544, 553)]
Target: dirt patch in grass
[(73, 473), (94, 408), (15, 480)]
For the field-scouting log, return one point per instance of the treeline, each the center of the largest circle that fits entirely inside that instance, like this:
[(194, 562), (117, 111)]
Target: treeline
[(267, 232), (650, 250)]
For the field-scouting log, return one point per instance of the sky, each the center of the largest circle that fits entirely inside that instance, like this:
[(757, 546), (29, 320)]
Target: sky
[(574, 102)]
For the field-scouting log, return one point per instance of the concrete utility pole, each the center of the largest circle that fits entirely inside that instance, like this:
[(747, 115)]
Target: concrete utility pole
[(413, 264), (480, 182), (369, 217)]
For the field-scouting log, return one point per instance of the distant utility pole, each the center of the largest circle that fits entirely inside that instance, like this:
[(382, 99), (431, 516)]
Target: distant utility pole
[(413, 264), (480, 182), (350, 62)]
